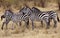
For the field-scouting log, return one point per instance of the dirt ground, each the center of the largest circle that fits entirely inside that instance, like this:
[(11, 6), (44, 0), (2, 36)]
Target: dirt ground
[(23, 32)]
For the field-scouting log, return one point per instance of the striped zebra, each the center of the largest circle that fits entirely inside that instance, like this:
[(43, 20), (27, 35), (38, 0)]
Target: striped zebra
[(29, 13), (10, 16), (52, 15), (23, 12), (41, 16), (36, 14)]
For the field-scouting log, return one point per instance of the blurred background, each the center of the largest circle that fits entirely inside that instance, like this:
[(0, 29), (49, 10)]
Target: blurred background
[(38, 32), (18, 4)]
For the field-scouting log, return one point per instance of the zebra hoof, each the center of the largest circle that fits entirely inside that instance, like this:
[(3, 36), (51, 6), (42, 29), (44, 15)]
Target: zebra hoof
[(2, 28)]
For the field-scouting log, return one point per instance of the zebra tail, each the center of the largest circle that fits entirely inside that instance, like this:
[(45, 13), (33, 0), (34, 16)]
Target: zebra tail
[(2, 17), (58, 18)]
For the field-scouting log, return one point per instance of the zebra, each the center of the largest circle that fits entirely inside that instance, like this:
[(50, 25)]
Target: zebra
[(36, 16), (37, 11), (41, 16), (10, 16), (27, 13), (52, 15), (23, 12)]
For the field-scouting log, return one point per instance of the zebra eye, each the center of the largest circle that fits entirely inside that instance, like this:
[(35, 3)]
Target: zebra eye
[(23, 13)]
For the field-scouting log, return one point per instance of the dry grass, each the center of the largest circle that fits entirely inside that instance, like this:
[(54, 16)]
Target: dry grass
[(23, 32)]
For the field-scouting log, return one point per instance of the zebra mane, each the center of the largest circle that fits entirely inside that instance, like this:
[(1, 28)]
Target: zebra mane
[(10, 11), (25, 7), (29, 8), (36, 9)]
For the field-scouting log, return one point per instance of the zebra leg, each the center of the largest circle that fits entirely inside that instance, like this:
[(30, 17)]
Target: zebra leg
[(32, 25), (13, 27), (55, 23), (19, 23), (48, 24), (41, 23), (2, 25), (27, 23), (5, 22)]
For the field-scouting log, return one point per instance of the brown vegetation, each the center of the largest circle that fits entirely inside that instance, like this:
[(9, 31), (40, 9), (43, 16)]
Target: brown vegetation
[(23, 32), (17, 4)]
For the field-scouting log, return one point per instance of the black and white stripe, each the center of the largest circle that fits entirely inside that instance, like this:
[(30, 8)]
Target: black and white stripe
[(34, 14), (45, 16), (53, 15), (10, 16), (42, 16)]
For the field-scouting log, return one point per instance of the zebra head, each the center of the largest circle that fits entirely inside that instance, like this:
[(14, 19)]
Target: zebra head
[(8, 14), (26, 11)]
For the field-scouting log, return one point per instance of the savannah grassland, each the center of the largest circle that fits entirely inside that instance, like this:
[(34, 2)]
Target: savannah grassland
[(23, 32)]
